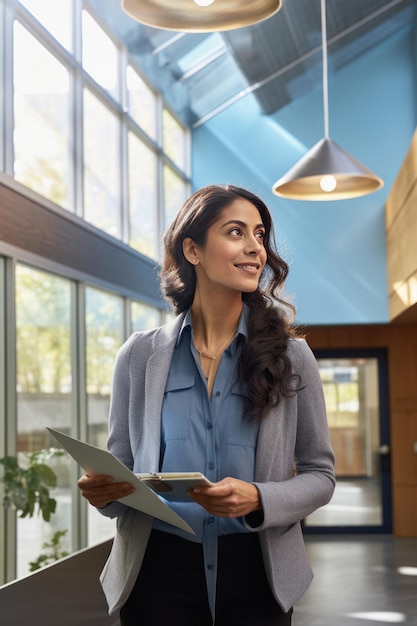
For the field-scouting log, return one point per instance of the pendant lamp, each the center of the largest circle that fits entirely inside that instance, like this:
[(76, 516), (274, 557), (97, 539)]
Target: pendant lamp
[(326, 172), (198, 16)]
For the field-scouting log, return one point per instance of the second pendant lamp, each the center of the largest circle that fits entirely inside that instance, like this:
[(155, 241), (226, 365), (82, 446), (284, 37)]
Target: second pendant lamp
[(326, 172)]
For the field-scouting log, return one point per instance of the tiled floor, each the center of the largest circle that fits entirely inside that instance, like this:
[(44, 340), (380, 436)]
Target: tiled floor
[(360, 580), (355, 502)]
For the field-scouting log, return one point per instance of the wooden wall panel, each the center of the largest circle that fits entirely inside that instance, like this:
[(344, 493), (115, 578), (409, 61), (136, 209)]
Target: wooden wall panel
[(405, 511), (401, 240), (403, 440), (401, 233), (403, 184), (401, 345)]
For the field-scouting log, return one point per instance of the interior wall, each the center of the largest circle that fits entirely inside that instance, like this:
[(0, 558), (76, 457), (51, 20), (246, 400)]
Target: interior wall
[(401, 345)]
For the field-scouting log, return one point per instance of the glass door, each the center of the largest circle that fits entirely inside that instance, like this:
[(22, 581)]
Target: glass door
[(356, 394)]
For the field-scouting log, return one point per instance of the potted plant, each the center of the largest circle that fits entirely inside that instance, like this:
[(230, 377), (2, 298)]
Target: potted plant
[(27, 489)]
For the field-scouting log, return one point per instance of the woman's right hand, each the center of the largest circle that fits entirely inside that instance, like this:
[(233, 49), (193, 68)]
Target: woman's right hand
[(101, 490)]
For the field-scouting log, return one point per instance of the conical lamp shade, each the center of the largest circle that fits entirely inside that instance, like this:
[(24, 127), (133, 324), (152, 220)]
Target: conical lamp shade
[(193, 16), (327, 166)]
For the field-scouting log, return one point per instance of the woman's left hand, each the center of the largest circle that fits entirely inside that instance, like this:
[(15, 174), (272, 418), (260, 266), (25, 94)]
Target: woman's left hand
[(229, 497)]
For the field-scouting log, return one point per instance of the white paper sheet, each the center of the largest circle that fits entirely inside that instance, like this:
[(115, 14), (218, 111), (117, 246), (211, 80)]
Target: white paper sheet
[(95, 460)]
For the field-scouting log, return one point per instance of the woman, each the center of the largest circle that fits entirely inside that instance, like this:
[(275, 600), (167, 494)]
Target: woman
[(226, 389)]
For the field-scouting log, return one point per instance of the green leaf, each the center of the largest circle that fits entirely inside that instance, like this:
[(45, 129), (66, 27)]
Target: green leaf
[(27, 488), (53, 551), (46, 474)]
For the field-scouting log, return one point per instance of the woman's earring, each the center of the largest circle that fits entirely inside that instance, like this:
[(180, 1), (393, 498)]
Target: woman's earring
[(195, 261)]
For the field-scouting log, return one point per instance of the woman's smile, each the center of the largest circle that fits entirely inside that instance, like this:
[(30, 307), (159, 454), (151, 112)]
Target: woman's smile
[(252, 268)]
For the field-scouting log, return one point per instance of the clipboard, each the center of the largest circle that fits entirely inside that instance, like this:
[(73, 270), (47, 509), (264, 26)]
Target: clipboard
[(98, 461), (174, 485)]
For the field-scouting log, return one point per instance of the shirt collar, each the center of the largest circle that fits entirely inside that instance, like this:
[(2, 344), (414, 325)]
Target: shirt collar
[(242, 327)]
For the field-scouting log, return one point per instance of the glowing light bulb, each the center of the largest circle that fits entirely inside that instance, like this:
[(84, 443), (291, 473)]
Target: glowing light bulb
[(203, 3), (328, 183)]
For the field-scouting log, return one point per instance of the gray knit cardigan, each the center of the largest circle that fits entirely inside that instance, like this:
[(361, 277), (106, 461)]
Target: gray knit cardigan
[(294, 434)]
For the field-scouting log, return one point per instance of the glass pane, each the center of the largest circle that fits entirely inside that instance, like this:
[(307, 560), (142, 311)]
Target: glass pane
[(104, 330), (144, 317), (143, 197), (58, 23), (44, 385), (174, 140), (175, 194), (41, 116), (352, 402), (142, 103), (100, 55), (101, 166)]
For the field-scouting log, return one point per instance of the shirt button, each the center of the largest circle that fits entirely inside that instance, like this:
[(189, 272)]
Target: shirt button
[(210, 566), (211, 465), (218, 393), (209, 426), (210, 520)]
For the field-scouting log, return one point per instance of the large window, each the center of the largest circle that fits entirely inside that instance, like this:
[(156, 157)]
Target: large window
[(104, 335), (175, 147), (44, 393), (51, 393), (58, 23), (142, 103), (144, 317), (143, 197), (42, 117), (101, 166), (175, 193), (100, 56), (86, 130), (174, 142)]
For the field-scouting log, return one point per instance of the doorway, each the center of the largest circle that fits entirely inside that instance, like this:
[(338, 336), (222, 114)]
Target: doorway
[(356, 393)]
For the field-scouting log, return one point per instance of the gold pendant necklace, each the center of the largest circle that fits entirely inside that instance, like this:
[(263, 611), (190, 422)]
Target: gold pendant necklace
[(222, 347), (214, 357)]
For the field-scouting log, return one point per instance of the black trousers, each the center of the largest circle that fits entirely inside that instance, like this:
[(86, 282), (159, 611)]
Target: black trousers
[(171, 586)]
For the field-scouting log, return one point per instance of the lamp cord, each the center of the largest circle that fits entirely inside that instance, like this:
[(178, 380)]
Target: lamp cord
[(325, 72)]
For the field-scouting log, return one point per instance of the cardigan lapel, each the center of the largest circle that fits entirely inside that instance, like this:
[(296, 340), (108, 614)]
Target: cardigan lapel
[(156, 374)]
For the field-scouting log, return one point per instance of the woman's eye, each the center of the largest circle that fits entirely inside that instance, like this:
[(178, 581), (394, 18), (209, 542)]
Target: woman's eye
[(261, 235), (235, 231)]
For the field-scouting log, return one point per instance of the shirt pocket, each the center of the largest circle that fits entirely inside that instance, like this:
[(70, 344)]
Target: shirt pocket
[(240, 430), (179, 399)]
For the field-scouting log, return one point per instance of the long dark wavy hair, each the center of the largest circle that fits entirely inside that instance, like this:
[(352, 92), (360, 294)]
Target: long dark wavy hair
[(264, 365)]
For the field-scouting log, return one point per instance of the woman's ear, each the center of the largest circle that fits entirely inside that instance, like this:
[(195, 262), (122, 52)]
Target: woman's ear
[(189, 249)]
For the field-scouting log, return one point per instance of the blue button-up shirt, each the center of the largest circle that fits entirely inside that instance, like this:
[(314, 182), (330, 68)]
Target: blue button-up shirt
[(208, 435)]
